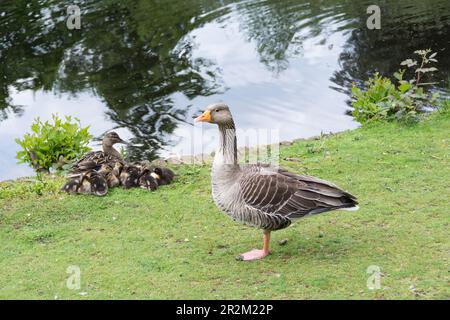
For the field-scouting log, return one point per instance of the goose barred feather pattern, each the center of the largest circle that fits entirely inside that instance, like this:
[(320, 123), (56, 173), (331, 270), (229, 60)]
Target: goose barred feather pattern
[(262, 195), (279, 192), (270, 198)]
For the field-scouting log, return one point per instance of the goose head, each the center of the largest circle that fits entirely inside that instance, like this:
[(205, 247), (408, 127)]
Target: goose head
[(217, 113)]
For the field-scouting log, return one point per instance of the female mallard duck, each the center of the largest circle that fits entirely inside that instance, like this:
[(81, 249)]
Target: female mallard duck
[(93, 170), (95, 159), (264, 196)]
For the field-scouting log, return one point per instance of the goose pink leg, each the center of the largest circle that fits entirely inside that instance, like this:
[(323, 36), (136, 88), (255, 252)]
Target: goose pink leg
[(256, 254)]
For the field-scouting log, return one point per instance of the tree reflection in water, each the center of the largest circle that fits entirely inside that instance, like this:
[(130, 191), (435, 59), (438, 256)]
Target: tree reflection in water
[(132, 54), (136, 55)]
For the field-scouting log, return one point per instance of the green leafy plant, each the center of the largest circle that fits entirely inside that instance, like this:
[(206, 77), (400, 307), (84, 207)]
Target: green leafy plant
[(42, 185), (318, 146), (53, 145), (444, 106), (383, 100)]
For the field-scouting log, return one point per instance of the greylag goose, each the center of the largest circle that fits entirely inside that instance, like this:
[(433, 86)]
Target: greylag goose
[(260, 195)]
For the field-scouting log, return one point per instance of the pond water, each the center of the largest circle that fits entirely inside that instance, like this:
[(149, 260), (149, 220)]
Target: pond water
[(144, 68)]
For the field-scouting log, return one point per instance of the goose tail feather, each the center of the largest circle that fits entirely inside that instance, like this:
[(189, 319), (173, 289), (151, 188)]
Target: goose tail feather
[(354, 208)]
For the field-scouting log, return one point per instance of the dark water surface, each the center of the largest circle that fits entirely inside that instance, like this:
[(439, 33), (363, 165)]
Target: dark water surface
[(145, 67)]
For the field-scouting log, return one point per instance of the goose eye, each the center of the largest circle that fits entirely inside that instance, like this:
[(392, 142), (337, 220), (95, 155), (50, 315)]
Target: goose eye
[(217, 110)]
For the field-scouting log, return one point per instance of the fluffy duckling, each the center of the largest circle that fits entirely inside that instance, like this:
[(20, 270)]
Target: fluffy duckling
[(94, 183), (130, 175), (145, 175), (90, 182), (148, 180), (111, 172), (72, 185), (163, 175)]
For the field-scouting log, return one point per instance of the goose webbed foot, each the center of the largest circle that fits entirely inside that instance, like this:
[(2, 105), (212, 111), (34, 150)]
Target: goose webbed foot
[(256, 254)]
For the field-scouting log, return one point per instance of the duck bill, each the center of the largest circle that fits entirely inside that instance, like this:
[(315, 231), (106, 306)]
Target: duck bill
[(204, 117)]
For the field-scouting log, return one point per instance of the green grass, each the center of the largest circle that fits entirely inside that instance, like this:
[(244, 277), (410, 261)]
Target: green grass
[(174, 243)]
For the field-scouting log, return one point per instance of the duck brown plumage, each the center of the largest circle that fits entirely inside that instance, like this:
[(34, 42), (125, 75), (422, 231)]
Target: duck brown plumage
[(89, 182), (95, 159), (145, 175), (94, 169), (108, 166)]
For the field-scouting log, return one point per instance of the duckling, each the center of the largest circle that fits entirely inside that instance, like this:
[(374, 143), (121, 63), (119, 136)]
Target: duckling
[(90, 182), (145, 175), (130, 175), (163, 175), (111, 172), (72, 185), (148, 181), (94, 183)]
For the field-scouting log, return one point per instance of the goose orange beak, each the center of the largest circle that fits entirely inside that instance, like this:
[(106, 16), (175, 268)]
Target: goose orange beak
[(204, 117)]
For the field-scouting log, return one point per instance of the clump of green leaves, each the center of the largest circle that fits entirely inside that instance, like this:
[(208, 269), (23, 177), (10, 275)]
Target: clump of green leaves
[(53, 145), (444, 106), (317, 146), (42, 185), (383, 100)]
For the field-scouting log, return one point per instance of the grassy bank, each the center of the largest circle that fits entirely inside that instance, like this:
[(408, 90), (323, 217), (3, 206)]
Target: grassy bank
[(174, 243)]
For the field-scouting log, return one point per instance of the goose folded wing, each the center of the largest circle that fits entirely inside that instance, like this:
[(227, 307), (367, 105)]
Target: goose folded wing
[(283, 193), (318, 185)]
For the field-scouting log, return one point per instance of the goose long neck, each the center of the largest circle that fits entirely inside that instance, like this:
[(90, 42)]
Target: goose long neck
[(227, 150), (109, 149)]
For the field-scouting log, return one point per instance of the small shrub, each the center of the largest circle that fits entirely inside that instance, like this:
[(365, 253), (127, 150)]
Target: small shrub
[(42, 184), (317, 146), (53, 145), (445, 106), (383, 100)]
